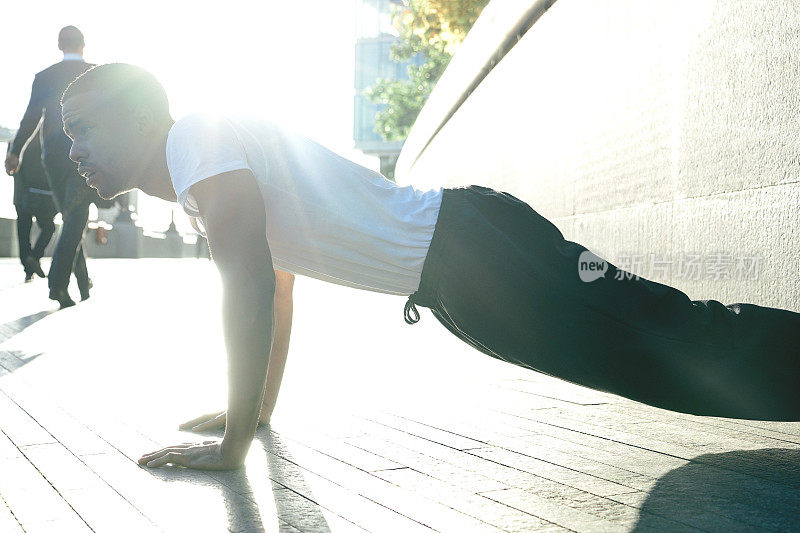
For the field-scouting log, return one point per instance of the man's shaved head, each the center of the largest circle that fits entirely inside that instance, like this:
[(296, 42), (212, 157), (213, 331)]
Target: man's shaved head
[(119, 85), (117, 116)]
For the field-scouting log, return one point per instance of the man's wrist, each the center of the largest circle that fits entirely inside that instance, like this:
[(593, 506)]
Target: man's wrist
[(234, 452)]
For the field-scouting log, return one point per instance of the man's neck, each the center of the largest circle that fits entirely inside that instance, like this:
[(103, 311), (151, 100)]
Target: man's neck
[(155, 176), (73, 56)]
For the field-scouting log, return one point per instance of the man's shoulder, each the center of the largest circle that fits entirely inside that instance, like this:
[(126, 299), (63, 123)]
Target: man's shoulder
[(51, 68), (199, 122), (197, 118), (58, 70), (200, 135), (205, 119), (44, 73), (206, 127), (192, 127)]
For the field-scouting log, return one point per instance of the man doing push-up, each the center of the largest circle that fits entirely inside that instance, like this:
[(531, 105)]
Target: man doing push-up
[(498, 275)]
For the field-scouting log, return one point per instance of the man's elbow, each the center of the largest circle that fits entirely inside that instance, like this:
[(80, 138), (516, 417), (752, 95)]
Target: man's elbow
[(249, 279), (248, 298)]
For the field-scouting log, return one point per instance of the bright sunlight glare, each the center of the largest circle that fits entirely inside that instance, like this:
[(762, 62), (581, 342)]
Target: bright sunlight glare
[(290, 62)]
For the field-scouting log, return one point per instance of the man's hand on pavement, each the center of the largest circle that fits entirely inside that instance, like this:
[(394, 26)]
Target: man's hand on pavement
[(205, 456), (12, 162), (212, 421)]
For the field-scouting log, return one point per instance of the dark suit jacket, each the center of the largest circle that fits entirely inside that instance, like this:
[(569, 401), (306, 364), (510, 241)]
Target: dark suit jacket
[(31, 184), (30, 173), (48, 86)]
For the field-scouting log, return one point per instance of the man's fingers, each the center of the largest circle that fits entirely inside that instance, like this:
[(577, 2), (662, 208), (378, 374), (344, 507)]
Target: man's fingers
[(205, 456), (163, 451), (170, 457), (153, 455), (214, 423)]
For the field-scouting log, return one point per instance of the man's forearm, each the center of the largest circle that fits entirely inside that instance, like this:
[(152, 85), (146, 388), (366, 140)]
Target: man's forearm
[(27, 128), (284, 309), (29, 122), (248, 324)]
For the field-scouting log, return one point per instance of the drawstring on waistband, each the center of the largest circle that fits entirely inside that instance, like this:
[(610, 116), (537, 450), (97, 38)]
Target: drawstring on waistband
[(410, 312)]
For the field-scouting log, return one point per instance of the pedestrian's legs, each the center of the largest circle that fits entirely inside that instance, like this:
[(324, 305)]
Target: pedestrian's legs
[(46, 230), (24, 224), (69, 249), (503, 279), (80, 271), (73, 198)]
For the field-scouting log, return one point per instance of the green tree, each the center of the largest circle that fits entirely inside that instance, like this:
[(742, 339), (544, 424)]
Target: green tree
[(433, 29)]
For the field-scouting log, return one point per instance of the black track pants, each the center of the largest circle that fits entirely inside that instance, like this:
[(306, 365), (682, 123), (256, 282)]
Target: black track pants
[(503, 279)]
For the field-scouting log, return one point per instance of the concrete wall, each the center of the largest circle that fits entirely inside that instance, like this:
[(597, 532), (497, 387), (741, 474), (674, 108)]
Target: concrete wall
[(661, 135), (8, 238)]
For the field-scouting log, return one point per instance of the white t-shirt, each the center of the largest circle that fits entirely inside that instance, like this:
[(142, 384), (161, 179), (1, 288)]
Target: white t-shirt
[(327, 217)]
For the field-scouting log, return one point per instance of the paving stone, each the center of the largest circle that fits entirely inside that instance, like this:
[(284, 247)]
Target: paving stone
[(349, 504), (8, 522), (477, 505), (104, 509), (426, 512), (341, 450), (60, 424), (29, 496), (19, 427), (487, 474), (465, 478), (479, 446), (551, 511)]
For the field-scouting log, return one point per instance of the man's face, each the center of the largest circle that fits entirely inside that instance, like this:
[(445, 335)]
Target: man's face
[(105, 144)]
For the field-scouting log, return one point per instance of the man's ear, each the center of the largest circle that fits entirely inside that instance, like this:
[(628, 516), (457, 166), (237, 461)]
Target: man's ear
[(144, 120)]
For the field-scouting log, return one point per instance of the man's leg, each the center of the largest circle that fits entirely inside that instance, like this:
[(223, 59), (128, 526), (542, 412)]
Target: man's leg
[(24, 224), (73, 198), (46, 229), (69, 250), (503, 279), (80, 270)]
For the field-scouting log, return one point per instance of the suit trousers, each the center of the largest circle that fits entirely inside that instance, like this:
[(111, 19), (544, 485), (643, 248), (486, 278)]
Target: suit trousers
[(502, 278), (73, 198), (44, 219)]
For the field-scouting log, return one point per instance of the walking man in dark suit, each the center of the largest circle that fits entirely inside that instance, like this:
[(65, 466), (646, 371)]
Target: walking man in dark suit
[(33, 199), (72, 195)]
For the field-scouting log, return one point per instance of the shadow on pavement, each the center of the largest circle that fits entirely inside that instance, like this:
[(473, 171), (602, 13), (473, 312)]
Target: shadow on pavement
[(12, 360), (757, 488), (9, 329), (242, 512), (292, 505)]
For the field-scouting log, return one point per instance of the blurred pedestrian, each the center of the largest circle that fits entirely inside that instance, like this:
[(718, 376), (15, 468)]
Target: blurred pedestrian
[(71, 194), (33, 200)]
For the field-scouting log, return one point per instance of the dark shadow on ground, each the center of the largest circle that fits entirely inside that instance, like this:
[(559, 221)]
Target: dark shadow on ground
[(293, 501), (10, 329), (234, 489), (292, 504), (11, 360), (741, 490)]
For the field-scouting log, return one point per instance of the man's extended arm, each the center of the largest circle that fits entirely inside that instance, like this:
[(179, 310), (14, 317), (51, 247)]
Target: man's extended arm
[(284, 308), (33, 114), (235, 221)]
